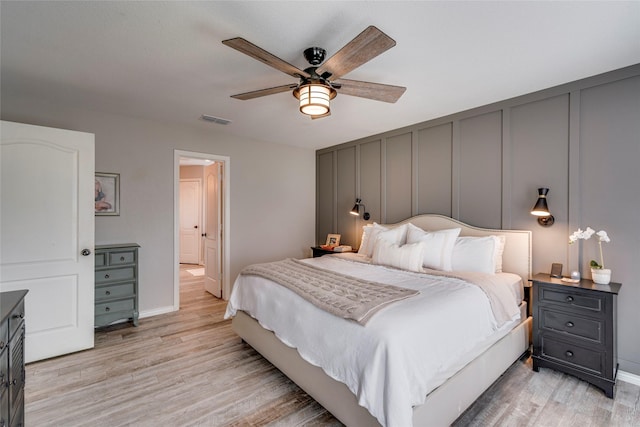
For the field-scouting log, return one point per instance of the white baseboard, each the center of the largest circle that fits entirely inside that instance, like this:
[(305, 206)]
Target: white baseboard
[(157, 311), (629, 378)]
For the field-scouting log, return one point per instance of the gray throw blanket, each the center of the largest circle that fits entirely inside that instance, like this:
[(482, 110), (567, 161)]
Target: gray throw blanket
[(344, 296)]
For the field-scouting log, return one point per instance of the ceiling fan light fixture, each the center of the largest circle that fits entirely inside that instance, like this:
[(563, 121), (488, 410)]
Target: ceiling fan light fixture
[(315, 98)]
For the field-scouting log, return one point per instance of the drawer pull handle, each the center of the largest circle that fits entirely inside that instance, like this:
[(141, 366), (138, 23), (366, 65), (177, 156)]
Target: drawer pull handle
[(108, 293), (569, 353), (18, 316), (106, 276), (569, 298), (569, 324), (107, 309), (121, 258)]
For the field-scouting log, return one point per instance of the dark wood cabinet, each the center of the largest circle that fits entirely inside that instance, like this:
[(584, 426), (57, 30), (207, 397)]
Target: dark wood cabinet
[(12, 373), (574, 329)]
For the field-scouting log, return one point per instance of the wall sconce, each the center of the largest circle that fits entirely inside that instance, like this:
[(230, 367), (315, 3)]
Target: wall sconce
[(356, 210), (541, 209)]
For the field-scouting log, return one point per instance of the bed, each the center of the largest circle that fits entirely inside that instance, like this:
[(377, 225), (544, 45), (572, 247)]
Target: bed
[(373, 392)]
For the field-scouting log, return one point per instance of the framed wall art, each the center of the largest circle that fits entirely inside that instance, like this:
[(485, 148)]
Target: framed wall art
[(107, 196)]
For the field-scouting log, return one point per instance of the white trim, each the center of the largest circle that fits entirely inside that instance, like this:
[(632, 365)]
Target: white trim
[(226, 222), (156, 311), (628, 377)]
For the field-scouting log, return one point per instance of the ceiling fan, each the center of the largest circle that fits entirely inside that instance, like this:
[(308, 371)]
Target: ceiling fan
[(319, 83)]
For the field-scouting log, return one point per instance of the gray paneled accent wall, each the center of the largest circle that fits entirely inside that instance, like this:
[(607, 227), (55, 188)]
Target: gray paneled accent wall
[(483, 166), (433, 170)]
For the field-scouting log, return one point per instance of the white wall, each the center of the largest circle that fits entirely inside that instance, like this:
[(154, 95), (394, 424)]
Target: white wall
[(272, 189)]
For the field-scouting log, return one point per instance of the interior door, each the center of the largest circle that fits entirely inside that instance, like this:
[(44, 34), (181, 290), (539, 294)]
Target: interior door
[(47, 234), (190, 208), (213, 219)]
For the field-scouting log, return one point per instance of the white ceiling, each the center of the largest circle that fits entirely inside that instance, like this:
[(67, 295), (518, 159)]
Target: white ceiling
[(165, 60)]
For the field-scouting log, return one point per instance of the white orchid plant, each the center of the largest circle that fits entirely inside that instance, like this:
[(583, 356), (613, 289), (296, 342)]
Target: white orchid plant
[(585, 235)]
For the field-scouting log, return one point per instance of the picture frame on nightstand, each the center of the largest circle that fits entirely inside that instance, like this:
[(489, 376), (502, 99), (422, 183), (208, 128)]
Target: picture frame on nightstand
[(333, 240)]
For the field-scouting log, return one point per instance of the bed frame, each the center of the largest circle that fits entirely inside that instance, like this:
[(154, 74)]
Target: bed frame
[(447, 402)]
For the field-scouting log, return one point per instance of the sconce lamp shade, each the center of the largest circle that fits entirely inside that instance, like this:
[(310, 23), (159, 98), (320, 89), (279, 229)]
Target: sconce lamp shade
[(356, 210), (541, 209)]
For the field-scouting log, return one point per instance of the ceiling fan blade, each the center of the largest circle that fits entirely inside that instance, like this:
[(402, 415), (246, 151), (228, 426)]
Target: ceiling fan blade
[(376, 91), (264, 92), (366, 46), (262, 55)]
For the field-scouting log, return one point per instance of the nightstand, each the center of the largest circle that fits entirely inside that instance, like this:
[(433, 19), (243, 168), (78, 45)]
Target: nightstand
[(318, 251), (574, 329)]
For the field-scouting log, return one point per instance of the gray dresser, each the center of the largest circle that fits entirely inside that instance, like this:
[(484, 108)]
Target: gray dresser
[(12, 374), (116, 283)]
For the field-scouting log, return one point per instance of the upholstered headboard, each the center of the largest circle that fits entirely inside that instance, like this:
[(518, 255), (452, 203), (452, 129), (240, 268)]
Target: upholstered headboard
[(517, 250)]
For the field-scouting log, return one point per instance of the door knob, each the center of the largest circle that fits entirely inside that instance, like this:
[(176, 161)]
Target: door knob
[(85, 252), (195, 226)]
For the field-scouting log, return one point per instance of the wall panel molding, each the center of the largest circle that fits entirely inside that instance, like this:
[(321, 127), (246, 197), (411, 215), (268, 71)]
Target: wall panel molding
[(579, 139)]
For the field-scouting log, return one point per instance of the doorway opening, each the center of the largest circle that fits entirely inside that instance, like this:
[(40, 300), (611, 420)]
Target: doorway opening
[(201, 220)]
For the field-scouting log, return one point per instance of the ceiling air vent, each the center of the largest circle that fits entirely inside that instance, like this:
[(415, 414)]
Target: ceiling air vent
[(217, 120)]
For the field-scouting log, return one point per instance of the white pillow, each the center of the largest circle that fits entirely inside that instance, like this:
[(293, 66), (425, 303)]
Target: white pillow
[(369, 235), (406, 257), (438, 245), (500, 242), (475, 254), (397, 235)]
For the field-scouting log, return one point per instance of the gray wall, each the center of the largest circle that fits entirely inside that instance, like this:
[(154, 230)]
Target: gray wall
[(483, 166), (272, 200)]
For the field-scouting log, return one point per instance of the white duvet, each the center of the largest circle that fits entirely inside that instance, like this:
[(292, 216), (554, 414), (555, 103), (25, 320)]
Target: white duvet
[(404, 352)]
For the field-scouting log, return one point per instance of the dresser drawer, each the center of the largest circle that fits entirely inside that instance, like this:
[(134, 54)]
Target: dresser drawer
[(114, 306), (101, 259), (4, 404), (115, 274), (572, 324), (118, 258), (4, 336), (16, 319), (115, 291), (4, 369), (572, 354), (589, 302)]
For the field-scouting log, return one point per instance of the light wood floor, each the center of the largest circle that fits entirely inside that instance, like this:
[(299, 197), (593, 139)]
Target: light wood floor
[(188, 368)]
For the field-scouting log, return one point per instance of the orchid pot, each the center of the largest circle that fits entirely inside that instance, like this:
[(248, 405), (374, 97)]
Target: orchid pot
[(601, 276)]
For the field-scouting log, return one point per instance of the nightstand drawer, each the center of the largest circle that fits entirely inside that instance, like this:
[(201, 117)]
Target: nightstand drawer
[(568, 298), (115, 274), (118, 258), (566, 352), (115, 291), (571, 324), (113, 306)]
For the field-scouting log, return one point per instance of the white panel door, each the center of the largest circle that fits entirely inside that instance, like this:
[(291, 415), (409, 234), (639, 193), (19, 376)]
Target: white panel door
[(47, 234), (190, 208), (212, 282)]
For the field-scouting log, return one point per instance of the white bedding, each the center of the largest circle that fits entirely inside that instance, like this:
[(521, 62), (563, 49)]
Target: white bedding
[(404, 352)]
